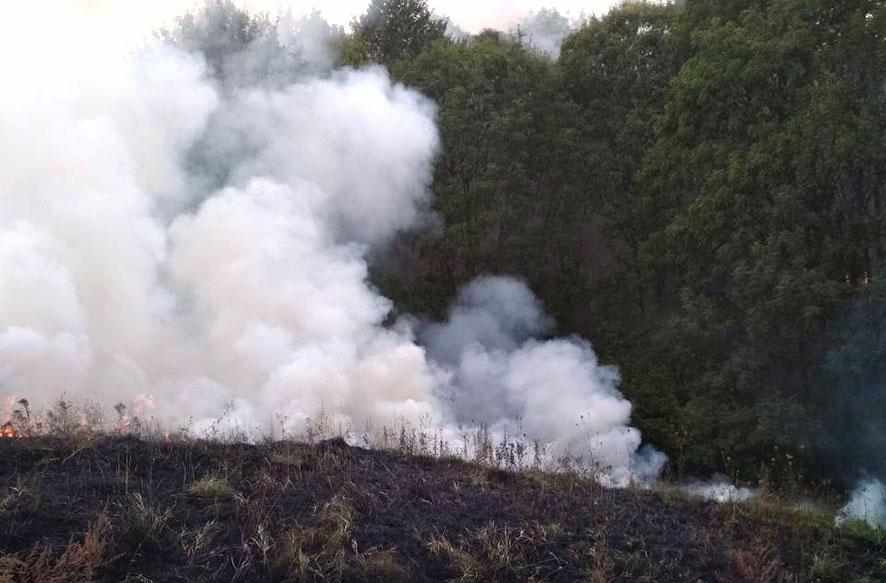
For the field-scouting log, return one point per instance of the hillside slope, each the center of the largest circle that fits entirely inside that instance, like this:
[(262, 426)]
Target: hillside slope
[(121, 509)]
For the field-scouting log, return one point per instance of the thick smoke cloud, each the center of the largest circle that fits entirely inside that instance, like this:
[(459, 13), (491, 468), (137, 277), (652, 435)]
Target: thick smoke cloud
[(553, 390), (495, 313), (123, 277), (197, 246)]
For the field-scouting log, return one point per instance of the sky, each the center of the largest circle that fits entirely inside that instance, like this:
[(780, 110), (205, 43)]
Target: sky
[(127, 21)]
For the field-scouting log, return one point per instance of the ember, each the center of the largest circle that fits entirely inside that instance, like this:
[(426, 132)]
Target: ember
[(8, 431)]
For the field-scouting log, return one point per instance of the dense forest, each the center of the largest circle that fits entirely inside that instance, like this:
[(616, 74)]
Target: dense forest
[(698, 188)]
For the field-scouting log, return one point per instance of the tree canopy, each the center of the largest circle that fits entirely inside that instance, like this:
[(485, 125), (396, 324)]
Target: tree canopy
[(392, 30), (699, 191)]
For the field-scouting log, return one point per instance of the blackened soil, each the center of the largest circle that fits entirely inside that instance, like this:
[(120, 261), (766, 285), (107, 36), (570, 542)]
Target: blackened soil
[(360, 515)]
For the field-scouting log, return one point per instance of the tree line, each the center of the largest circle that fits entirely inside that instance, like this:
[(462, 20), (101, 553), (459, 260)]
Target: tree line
[(698, 188)]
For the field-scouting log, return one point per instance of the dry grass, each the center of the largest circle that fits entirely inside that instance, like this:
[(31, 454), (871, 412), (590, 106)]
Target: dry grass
[(500, 552), (142, 522), (24, 495), (319, 552), (331, 513), (600, 563), (328, 551), (467, 566), (760, 563), (78, 563), (211, 486), (198, 544), (383, 565)]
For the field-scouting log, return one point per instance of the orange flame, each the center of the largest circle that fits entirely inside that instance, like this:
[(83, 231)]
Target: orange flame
[(8, 431)]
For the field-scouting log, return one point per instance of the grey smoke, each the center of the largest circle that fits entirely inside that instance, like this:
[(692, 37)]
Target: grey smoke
[(244, 50), (310, 38), (867, 504), (505, 377), (853, 437), (545, 31), (720, 491), (455, 32), (495, 313)]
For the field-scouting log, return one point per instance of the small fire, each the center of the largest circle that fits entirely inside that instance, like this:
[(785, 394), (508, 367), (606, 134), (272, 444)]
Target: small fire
[(8, 431)]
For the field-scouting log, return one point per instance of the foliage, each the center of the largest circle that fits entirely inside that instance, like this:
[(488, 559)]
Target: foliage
[(697, 189), (393, 30), (249, 50)]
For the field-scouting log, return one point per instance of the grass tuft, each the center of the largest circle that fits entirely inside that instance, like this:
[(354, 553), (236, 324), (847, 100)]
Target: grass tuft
[(211, 486), (78, 563)]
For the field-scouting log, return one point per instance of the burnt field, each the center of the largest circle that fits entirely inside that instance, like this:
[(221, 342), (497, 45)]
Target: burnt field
[(122, 509)]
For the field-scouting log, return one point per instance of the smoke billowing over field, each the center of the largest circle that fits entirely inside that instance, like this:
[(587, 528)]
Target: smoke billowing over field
[(187, 232), (563, 232)]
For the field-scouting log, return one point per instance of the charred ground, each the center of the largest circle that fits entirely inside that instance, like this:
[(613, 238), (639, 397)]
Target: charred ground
[(122, 509)]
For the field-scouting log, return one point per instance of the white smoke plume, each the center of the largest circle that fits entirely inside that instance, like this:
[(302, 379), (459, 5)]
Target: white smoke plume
[(310, 37), (243, 50), (866, 504), (545, 31), (124, 278), (554, 390), (721, 492), (199, 247)]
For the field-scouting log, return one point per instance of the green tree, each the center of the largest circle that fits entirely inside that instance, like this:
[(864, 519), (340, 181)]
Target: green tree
[(762, 192), (505, 180), (252, 50), (392, 30)]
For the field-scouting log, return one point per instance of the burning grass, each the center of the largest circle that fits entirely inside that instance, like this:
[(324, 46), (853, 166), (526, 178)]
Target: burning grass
[(8, 431), (124, 509)]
